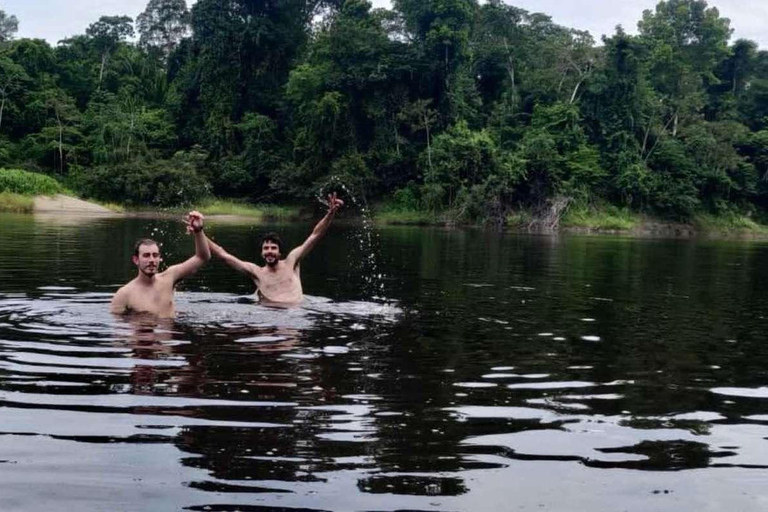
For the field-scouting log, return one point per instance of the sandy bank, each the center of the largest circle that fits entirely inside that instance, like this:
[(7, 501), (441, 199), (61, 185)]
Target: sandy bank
[(66, 204)]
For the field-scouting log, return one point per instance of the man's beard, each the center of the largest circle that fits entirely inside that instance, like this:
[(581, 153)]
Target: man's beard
[(271, 261), (147, 271)]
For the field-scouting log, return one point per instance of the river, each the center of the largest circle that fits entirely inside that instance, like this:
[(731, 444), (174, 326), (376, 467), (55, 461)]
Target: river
[(428, 369)]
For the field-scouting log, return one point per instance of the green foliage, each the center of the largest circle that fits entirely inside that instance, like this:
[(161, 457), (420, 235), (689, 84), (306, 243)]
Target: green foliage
[(156, 183), (728, 222), (9, 24), (467, 171), (400, 217), (16, 203), (110, 30), (600, 217), (454, 109), (461, 158), (245, 209), (28, 183), (558, 159), (163, 25), (406, 198), (519, 219), (405, 208)]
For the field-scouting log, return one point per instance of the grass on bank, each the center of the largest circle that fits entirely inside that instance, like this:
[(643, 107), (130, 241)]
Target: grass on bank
[(406, 217), (16, 203), (114, 207), (602, 218), (213, 206), (242, 209), (18, 188), (519, 219), (727, 222)]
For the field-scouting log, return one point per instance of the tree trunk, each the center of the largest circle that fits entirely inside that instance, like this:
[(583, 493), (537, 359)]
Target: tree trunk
[(674, 125), (61, 144), (645, 138), (101, 69), (560, 85), (394, 125), (429, 145), (2, 107), (575, 90), (656, 143), (510, 66), (130, 135)]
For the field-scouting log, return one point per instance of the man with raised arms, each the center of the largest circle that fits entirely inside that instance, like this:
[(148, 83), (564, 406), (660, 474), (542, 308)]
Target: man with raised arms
[(278, 282), (152, 292)]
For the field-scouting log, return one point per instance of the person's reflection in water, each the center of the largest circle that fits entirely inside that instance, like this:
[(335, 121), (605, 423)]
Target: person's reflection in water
[(161, 366), (264, 339), (175, 359)]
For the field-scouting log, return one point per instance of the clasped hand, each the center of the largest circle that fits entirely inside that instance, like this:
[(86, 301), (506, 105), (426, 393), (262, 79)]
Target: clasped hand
[(194, 222), (334, 203)]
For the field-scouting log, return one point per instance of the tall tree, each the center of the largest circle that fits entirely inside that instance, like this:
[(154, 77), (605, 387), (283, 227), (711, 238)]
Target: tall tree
[(237, 62), (442, 29), (9, 24), (162, 25), (12, 78), (106, 34), (501, 39), (688, 39)]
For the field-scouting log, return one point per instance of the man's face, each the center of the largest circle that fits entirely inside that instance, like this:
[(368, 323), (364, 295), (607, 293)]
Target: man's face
[(270, 251), (148, 259)]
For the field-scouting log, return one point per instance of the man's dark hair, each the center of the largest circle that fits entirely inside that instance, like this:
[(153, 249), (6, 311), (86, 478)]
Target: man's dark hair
[(143, 241), (275, 239)]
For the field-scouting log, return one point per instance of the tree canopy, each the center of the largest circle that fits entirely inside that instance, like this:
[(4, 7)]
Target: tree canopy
[(452, 105)]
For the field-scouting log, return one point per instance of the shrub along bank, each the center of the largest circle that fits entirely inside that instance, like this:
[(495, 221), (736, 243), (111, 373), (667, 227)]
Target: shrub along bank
[(18, 188)]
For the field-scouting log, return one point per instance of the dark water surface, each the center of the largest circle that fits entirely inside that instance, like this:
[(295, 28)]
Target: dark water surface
[(448, 370)]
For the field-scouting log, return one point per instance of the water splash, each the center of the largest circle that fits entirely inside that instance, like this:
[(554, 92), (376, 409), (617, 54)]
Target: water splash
[(366, 239)]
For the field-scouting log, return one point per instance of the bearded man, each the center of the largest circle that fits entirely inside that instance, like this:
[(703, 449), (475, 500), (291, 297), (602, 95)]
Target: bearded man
[(151, 291), (278, 282)]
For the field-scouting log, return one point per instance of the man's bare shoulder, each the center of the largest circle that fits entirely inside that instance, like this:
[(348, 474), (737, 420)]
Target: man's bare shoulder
[(126, 288), (122, 298), (256, 269), (292, 260), (165, 275)]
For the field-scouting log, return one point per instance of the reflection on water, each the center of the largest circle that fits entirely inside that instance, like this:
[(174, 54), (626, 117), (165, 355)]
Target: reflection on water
[(503, 373)]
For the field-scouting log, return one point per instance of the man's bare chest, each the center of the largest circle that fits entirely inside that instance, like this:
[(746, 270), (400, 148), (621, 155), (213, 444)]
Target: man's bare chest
[(155, 298), (281, 279)]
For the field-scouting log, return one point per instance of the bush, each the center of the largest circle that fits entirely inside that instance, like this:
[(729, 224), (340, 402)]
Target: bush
[(460, 158), (28, 183), (144, 183), (406, 198)]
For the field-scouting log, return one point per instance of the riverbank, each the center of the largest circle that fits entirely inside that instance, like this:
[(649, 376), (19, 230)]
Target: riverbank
[(64, 204), (221, 210), (608, 221)]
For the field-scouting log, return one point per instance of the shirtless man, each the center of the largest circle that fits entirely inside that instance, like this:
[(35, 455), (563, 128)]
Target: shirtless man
[(278, 283), (152, 292)]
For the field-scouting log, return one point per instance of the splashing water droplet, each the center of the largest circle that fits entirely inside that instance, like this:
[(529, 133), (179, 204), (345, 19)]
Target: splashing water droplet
[(365, 262)]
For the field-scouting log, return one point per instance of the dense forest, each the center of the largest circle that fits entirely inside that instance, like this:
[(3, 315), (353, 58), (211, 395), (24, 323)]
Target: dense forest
[(435, 105)]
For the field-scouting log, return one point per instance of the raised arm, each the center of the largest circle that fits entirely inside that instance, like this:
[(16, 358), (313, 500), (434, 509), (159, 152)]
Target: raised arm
[(202, 252), (232, 261), (299, 252)]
